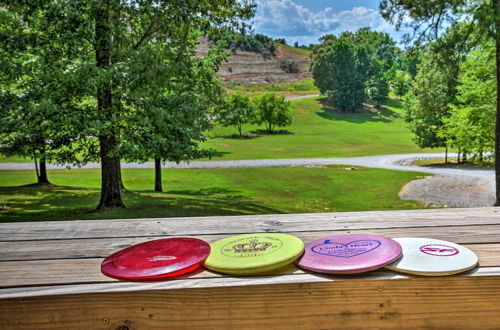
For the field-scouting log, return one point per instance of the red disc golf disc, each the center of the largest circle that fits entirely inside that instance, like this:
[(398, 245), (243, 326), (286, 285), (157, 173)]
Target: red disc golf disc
[(163, 258)]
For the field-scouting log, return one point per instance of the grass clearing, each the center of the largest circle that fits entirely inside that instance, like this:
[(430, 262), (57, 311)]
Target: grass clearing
[(318, 131), (284, 86), (452, 163), (205, 192)]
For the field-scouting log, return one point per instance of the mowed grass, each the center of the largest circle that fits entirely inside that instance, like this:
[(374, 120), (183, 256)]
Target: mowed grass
[(320, 131), (283, 86), (205, 192)]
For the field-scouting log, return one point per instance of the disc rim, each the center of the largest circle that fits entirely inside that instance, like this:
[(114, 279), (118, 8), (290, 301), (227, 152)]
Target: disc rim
[(188, 265)]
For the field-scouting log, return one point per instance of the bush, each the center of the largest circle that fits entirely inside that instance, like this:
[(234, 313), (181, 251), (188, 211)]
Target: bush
[(272, 111), (290, 66), (237, 111)]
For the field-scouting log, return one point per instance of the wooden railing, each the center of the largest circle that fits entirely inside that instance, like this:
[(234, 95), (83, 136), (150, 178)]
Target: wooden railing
[(50, 277)]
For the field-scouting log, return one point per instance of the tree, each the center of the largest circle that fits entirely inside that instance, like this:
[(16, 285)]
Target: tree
[(32, 125), (339, 71), (272, 111), (380, 62), (104, 46), (428, 103), (428, 19), (377, 85), (470, 126), (401, 84), (239, 110)]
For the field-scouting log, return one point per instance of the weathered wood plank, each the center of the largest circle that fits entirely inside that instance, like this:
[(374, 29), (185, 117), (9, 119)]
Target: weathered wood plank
[(102, 247), (456, 302), (77, 271), (246, 224), (215, 282)]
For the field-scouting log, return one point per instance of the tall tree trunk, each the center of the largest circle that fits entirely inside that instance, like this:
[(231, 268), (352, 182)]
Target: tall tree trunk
[(496, 10), (122, 186), (42, 177), (36, 168), (110, 166), (158, 186), (446, 156)]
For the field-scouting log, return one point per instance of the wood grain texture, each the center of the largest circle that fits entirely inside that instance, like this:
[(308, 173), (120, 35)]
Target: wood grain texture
[(50, 277), (102, 247), (247, 224), (78, 271), (413, 303)]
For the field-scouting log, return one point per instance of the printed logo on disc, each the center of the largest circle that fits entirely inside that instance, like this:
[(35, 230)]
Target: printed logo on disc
[(254, 246), (347, 250), (161, 258), (439, 250)]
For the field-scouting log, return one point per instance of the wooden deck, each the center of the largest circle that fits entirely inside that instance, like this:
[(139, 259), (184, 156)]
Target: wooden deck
[(50, 277)]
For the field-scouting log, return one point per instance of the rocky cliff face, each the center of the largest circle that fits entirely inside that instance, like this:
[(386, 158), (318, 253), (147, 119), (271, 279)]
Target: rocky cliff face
[(286, 64)]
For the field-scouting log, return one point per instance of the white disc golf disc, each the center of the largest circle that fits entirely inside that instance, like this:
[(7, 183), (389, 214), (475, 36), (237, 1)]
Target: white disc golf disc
[(432, 257)]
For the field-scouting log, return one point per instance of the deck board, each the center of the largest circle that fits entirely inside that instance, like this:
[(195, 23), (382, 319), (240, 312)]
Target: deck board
[(49, 270), (244, 224)]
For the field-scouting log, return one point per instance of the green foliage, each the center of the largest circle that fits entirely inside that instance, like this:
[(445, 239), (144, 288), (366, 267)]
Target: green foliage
[(401, 83), (377, 86), (281, 41), (428, 103), (470, 127), (252, 43), (111, 68), (409, 62), (353, 65), (238, 110), (34, 124), (272, 111), (339, 72)]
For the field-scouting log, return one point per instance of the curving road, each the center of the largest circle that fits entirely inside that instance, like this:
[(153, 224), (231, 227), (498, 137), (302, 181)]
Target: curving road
[(401, 162), (448, 187)]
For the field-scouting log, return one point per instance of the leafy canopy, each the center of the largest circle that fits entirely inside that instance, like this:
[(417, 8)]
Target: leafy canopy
[(272, 111)]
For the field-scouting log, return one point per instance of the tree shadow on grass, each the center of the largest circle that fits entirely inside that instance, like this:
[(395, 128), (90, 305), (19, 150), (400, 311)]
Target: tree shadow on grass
[(368, 113), (274, 132), (219, 154), (246, 136), (28, 204)]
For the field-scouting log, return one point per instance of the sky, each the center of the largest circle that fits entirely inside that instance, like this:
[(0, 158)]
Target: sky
[(305, 21)]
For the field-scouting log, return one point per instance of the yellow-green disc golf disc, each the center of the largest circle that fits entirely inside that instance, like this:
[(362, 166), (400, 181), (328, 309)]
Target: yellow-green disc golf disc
[(250, 254)]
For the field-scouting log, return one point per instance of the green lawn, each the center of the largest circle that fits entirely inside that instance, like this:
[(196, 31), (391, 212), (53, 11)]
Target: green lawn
[(206, 192), (317, 131), (283, 86)]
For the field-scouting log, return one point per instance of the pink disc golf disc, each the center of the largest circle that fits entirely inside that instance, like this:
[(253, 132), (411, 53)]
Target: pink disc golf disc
[(349, 254), (163, 258)]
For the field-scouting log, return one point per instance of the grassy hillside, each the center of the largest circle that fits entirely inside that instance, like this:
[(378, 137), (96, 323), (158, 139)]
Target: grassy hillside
[(320, 131), (282, 88), (206, 192), (317, 131)]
